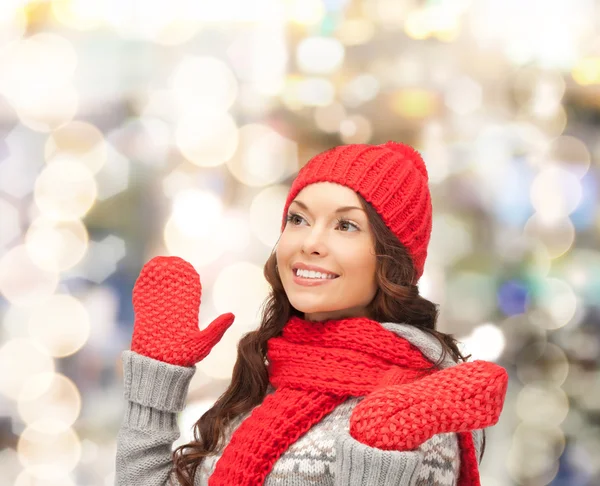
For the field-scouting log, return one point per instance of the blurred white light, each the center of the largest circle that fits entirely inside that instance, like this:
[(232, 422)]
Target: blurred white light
[(263, 156), (356, 129), (362, 88), (13, 23), (463, 95), (555, 193), (196, 212), (240, 288), (542, 405), (266, 214), (113, 178), (10, 227), (80, 142), (56, 245), (65, 190), (451, 239), (328, 118), (486, 342), (200, 245), (25, 358), (22, 282), (207, 140), (314, 92), (553, 305), (61, 324), (203, 84), (320, 55), (48, 450), (59, 401)]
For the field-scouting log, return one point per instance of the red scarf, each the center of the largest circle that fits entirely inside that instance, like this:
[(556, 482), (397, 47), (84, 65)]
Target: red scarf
[(316, 366)]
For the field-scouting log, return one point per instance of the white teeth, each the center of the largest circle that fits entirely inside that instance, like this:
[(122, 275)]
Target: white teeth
[(311, 274)]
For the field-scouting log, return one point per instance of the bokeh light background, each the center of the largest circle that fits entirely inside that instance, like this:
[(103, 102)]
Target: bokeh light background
[(132, 128)]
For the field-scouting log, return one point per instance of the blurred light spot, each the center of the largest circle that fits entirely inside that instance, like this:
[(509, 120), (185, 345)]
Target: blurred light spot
[(541, 446), (328, 118), (56, 245), (234, 234), (558, 235), (44, 56), (26, 478), (65, 191), (530, 254), (203, 84), (102, 306), (319, 55), (199, 250), (13, 24), (25, 358), (485, 342), (581, 269), (555, 193), (541, 90), (263, 156), (308, 92), (80, 140), (22, 282), (196, 213), (240, 288), (553, 125), (113, 178), (587, 71), (101, 259), (61, 324), (78, 14), (60, 401), (553, 304), (414, 103), (463, 95), (543, 364), (10, 226), (50, 454), (305, 12), (451, 239), (266, 214), (471, 297), (356, 129), (543, 406), (207, 140), (360, 89), (512, 297), (177, 181), (570, 154), (356, 31)]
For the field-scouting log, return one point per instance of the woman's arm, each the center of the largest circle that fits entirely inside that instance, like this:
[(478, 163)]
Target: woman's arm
[(155, 392), (436, 462)]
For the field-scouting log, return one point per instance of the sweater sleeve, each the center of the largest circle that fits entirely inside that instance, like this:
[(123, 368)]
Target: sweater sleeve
[(435, 463), (155, 392)]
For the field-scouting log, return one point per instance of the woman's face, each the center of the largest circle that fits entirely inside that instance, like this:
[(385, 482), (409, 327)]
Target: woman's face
[(319, 233)]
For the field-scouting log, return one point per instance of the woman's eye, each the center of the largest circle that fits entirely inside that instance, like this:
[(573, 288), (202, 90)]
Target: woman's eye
[(344, 223), (293, 218)]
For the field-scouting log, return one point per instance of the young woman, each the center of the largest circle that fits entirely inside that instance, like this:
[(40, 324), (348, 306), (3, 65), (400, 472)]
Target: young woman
[(346, 381)]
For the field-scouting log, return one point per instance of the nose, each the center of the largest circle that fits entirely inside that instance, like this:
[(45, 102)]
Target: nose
[(314, 242)]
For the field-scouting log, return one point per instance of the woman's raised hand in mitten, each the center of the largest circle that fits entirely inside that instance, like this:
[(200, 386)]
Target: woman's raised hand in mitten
[(166, 303)]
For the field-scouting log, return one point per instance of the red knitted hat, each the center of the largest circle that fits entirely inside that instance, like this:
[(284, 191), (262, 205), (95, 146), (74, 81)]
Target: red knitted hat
[(391, 176)]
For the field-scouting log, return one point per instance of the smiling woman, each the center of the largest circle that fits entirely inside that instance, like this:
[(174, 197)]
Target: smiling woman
[(320, 236), (346, 379)]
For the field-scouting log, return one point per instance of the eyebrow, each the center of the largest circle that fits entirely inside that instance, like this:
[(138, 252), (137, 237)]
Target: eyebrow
[(338, 210)]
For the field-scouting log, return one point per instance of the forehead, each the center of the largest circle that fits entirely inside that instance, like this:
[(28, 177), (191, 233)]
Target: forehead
[(329, 194)]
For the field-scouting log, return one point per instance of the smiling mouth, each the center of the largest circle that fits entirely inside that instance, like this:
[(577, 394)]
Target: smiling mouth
[(312, 275)]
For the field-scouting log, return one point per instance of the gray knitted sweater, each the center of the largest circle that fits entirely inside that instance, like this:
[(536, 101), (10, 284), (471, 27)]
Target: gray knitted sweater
[(325, 455)]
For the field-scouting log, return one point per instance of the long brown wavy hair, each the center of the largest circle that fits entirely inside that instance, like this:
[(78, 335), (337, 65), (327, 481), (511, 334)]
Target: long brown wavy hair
[(396, 300)]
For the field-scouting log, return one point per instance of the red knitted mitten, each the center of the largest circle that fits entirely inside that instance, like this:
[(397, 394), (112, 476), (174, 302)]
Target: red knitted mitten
[(461, 398), (166, 302)]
